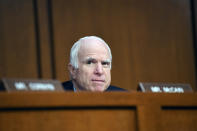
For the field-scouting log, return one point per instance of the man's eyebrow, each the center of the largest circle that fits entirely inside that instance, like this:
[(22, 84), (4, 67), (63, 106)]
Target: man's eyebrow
[(91, 58), (107, 60), (87, 59)]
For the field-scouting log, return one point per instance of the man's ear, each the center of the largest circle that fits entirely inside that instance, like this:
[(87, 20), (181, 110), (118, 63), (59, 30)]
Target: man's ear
[(72, 71)]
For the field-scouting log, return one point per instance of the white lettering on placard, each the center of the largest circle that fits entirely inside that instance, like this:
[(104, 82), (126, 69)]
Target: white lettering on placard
[(41, 86), (173, 89), (20, 86), (155, 89)]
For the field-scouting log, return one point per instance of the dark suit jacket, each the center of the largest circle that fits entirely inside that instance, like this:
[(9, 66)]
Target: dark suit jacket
[(68, 86)]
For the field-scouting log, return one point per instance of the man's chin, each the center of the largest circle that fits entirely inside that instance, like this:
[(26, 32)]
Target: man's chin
[(98, 89)]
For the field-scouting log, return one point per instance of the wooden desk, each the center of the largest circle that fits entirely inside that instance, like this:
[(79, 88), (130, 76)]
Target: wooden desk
[(109, 111)]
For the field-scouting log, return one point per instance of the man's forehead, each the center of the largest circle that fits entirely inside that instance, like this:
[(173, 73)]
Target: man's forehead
[(95, 58), (91, 49)]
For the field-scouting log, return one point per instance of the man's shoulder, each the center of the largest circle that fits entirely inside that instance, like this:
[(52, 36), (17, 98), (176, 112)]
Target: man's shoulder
[(68, 85), (115, 88)]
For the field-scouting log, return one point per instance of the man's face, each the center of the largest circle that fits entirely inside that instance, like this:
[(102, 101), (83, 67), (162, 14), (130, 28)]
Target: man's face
[(93, 73)]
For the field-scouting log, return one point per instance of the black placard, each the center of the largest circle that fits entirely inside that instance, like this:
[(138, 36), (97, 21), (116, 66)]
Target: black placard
[(163, 87), (12, 84)]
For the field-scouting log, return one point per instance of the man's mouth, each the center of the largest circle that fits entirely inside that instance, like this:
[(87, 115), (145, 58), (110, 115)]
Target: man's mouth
[(98, 80)]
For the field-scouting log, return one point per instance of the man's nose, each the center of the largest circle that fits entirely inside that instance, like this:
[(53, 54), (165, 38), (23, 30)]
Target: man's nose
[(99, 69)]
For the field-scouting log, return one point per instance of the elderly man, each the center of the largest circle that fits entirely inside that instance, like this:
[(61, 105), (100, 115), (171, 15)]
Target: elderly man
[(90, 66)]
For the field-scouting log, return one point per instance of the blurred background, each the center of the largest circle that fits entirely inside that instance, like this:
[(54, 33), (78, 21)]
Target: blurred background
[(151, 40)]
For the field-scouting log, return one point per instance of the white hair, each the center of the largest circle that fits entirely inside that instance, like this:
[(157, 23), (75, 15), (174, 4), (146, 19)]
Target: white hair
[(75, 49)]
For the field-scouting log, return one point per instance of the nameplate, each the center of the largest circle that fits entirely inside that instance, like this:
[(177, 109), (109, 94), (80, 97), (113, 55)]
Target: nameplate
[(31, 85), (165, 88)]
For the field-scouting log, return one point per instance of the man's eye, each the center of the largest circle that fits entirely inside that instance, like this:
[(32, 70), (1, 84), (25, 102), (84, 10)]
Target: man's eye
[(106, 63), (89, 62)]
